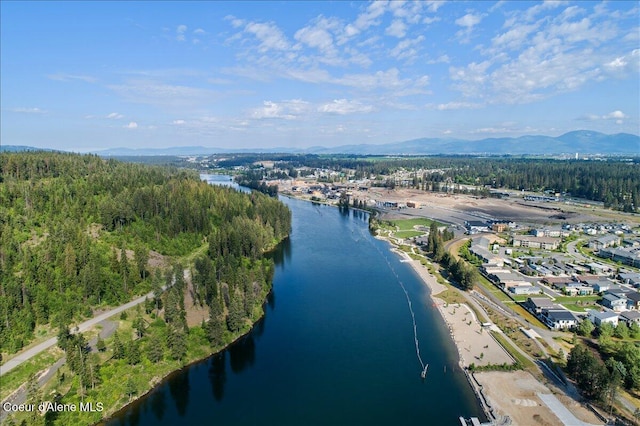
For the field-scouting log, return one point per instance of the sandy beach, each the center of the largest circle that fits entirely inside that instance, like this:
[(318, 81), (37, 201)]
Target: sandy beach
[(516, 394), (474, 341)]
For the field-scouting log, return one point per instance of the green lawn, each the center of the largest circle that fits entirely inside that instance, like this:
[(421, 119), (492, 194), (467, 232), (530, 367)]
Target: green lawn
[(574, 307), (408, 224), (407, 234), (576, 299)]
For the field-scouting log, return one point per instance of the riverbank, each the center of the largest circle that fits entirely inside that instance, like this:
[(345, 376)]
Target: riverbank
[(157, 381), (517, 394), (474, 341)]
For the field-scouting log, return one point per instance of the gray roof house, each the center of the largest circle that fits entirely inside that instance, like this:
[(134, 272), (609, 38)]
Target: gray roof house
[(537, 304), (633, 300), (599, 318), (614, 302), (630, 317)]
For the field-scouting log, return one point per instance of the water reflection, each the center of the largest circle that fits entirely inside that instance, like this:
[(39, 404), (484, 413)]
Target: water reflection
[(281, 253), (179, 389), (134, 418), (217, 375), (259, 327), (242, 354), (271, 300), (157, 403)]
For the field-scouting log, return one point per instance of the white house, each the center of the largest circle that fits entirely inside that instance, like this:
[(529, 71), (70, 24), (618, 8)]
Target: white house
[(559, 319)]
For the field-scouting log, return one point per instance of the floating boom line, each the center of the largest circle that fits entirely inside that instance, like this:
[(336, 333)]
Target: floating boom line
[(424, 366), (413, 316)]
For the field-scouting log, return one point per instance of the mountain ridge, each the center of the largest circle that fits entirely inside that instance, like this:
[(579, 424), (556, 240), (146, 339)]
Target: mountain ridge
[(577, 141)]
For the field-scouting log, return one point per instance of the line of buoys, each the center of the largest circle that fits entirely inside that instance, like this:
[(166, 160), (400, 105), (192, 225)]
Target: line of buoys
[(423, 374), (424, 367)]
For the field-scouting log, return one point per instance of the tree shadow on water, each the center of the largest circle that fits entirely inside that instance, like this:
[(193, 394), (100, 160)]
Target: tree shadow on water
[(157, 403), (242, 354), (217, 375), (179, 389)]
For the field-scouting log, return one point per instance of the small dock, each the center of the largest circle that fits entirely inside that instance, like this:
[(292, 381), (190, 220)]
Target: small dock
[(471, 421)]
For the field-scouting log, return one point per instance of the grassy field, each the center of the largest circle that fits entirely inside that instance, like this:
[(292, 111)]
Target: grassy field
[(578, 303), (16, 377), (408, 224), (524, 361), (407, 234)]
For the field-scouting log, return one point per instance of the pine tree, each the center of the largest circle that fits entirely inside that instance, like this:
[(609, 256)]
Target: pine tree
[(133, 352), (215, 326), (236, 317), (118, 347), (155, 349), (177, 343), (100, 345)]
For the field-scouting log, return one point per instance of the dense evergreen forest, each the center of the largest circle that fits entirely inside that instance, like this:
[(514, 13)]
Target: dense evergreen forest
[(615, 182), (77, 232)]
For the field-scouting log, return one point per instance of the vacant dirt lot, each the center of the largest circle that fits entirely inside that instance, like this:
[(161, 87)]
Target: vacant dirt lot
[(516, 394), (459, 208)]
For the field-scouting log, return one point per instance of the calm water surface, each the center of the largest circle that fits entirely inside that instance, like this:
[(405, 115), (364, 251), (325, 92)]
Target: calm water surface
[(336, 346)]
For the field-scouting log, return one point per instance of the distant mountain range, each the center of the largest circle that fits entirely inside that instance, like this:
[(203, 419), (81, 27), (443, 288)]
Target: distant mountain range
[(20, 148), (579, 141)]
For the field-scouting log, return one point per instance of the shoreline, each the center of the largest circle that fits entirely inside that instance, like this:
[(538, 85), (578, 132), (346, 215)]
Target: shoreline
[(436, 288), (189, 364)]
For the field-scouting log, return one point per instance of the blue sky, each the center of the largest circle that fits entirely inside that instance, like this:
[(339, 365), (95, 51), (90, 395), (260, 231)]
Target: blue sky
[(85, 76)]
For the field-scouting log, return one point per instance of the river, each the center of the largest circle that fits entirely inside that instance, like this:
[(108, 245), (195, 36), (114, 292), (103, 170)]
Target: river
[(335, 347)]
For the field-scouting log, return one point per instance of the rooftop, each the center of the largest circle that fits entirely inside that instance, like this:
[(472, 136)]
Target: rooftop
[(602, 315)]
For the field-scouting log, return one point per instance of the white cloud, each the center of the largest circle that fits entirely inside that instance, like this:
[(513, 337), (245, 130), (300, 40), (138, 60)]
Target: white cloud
[(457, 105), (115, 116), (180, 30), (615, 114), (235, 22), (319, 35), (430, 20), (178, 122), (269, 36), (542, 56), (467, 22), (533, 11), (515, 37), (287, 110), (397, 29), (494, 130), (24, 110), (71, 77), (407, 48), (434, 5), (370, 16), (442, 59), (132, 125), (199, 31), (624, 65), (344, 106)]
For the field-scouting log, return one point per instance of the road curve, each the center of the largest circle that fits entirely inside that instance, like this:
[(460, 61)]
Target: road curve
[(31, 352)]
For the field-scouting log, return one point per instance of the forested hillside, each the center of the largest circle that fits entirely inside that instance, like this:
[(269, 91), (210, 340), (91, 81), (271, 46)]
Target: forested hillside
[(76, 232)]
